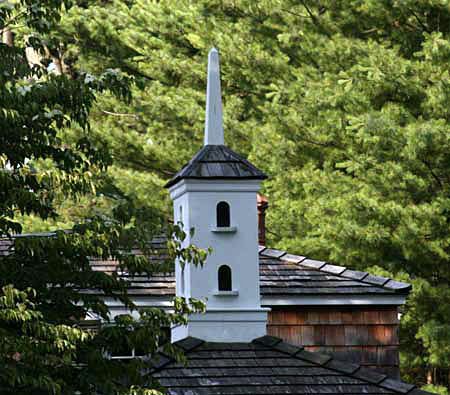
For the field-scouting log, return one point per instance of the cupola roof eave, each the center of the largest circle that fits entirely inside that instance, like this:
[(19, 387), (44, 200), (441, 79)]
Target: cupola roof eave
[(215, 162)]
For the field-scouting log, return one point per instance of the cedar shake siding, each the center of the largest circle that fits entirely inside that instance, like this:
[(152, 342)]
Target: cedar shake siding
[(362, 335)]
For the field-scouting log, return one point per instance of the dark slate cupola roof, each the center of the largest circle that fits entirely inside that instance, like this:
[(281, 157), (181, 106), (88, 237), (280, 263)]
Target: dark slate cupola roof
[(215, 161)]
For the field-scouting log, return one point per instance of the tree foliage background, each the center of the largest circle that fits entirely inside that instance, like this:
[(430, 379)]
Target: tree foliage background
[(47, 284), (343, 104)]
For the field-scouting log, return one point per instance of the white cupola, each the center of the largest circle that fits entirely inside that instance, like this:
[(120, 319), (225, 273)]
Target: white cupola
[(216, 194)]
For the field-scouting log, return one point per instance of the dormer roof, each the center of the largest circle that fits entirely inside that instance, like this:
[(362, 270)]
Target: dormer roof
[(217, 162)]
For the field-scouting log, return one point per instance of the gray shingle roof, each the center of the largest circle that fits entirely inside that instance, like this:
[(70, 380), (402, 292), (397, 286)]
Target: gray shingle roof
[(286, 274), (267, 366), (281, 273), (217, 162)]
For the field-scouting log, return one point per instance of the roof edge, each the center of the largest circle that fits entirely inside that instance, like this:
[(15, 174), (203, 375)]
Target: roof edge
[(186, 345), (187, 170), (176, 180), (390, 284)]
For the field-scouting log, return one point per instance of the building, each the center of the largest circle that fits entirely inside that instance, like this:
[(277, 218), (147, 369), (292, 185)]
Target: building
[(322, 307)]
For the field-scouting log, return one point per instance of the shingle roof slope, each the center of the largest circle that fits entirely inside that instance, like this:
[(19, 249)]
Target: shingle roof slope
[(217, 162), (281, 273), (267, 366)]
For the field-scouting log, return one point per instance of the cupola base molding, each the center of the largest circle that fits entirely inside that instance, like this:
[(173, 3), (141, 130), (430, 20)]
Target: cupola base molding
[(224, 325)]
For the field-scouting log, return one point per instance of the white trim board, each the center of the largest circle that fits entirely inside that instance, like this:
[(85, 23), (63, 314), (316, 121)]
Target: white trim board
[(141, 302), (269, 301)]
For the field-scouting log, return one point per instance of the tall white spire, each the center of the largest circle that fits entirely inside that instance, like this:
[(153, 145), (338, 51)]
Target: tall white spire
[(213, 120), (217, 198)]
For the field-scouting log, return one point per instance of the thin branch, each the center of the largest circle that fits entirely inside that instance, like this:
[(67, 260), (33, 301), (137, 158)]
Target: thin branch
[(318, 143), (315, 19), (308, 10), (434, 175), (424, 27), (295, 14), (372, 30), (273, 233), (118, 114), (16, 17)]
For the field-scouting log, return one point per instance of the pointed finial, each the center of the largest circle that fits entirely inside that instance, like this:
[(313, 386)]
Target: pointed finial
[(213, 120)]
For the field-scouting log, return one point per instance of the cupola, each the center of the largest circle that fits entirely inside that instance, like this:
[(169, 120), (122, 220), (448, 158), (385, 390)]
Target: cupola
[(216, 194)]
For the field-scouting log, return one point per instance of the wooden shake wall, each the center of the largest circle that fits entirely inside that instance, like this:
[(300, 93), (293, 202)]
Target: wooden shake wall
[(367, 336)]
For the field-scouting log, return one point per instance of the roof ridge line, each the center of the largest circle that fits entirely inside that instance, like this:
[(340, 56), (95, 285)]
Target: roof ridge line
[(241, 158), (197, 157), (357, 371), (186, 345), (337, 270)]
